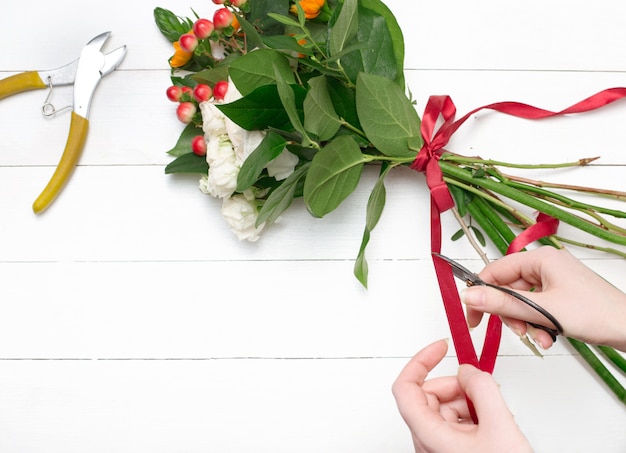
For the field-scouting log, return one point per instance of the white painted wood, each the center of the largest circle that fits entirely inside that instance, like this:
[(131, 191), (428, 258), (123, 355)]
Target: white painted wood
[(132, 320)]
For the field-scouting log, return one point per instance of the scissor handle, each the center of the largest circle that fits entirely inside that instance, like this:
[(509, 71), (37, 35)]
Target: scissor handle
[(25, 81), (69, 159), (553, 332)]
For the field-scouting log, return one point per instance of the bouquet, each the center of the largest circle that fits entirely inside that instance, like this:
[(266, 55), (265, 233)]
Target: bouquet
[(285, 99)]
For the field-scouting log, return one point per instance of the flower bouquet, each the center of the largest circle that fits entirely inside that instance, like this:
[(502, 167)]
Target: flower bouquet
[(285, 99)]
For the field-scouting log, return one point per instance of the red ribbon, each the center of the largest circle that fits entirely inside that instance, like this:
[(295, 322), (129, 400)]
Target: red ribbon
[(427, 161)]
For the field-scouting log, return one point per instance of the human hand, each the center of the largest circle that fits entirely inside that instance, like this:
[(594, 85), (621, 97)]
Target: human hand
[(587, 306), (437, 413)]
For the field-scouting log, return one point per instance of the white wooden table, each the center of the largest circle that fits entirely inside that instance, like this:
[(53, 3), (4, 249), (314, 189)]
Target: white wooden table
[(132, 320)]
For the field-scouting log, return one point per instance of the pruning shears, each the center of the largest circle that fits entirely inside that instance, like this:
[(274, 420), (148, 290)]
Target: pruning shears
[(471, 279), (84, 73)]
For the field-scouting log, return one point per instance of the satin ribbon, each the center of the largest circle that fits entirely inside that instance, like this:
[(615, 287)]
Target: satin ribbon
[(427, 161)]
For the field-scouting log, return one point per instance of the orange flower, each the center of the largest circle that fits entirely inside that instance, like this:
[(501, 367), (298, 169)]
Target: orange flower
[(311, 8), (180, 57)]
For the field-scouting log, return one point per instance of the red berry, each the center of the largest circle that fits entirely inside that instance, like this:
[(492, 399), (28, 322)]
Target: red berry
[(198, 145), (188, 42), (185, 112), (220, 89), (202, 92), (219, 2), (238, 3), (174, 93), (223, 18), (203, 28)]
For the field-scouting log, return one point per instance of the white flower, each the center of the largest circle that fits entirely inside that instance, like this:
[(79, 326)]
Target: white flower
[(281, 167), (223, 167), (241, 215), (213, 120), (244, 142)]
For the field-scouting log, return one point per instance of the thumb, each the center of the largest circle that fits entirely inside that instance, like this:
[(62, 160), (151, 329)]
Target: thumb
[(482, 390)]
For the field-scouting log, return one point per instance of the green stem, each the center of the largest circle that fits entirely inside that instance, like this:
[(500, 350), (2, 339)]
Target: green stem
[(618, 360), (592, 247), (491, 223), (566, 201), (488, 162), (587, 354), (532, 202)]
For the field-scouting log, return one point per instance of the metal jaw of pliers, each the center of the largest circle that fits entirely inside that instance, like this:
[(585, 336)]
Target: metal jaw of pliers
[(84, 73), (471, 279)]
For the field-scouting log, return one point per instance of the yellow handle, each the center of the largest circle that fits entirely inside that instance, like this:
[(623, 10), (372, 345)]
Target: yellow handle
[(20, 82), (69, 159)]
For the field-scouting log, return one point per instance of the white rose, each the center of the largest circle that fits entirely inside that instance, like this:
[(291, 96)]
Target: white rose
[(223, 167), (241, 215), (213, 120), (281, 167), (244, 142)]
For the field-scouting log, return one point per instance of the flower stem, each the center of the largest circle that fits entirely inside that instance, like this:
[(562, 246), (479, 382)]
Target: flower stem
[(537, 183), (488, 162), (532, 202), (592, 247), (615, 357)]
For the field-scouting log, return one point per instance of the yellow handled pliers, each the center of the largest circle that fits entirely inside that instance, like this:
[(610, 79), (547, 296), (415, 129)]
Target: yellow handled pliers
[(85, 74)]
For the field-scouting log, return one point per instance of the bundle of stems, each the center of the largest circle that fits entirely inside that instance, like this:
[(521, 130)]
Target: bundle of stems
[(487, 195)]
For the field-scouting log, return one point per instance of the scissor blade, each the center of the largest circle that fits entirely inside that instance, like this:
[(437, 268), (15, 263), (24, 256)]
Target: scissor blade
[(461, 272)]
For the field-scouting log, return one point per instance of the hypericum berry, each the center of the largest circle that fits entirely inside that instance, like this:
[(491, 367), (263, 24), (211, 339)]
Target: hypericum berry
[(219, 2), (202, 92), (220, 89), (198, 145), (203, 28), (186, 111), (223, 18), (174, 93), (238, 3), (188, 42)]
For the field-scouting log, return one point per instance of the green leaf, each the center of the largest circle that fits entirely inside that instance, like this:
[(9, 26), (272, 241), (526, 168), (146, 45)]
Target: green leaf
[(286, 43), (256, 69), (374, 53), (187, 163), (183, 145), (253, 37), (288, 99), (458, 235), (212, 75), (280, 199), (269, 149), (285, 20), (320, 117), (334, 174), (344, 28), (262, 13), (262, 109), (387, 116), (480, 237), (375, 206), (461, 198), (344, 101), (170, 25), (395, 33)]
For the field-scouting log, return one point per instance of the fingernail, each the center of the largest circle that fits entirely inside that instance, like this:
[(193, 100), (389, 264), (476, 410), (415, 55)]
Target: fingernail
[(472, 296)]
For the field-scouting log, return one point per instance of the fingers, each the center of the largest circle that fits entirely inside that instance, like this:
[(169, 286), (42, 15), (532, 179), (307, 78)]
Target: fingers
[(491, 300), (410, 398), (483, 391)]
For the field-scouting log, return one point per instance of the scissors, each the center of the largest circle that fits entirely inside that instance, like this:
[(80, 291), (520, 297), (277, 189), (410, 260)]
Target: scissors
[(85, 74), (471, 279)]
